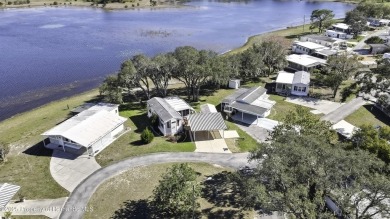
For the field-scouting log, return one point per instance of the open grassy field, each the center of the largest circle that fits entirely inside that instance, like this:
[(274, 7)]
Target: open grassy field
[(368, 115), (131, 189)]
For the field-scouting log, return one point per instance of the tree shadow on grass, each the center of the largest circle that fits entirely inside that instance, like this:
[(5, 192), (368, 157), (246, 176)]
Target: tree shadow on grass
[(139, 209), (231, 213), (221, 190), (140, 121), (378, 114)]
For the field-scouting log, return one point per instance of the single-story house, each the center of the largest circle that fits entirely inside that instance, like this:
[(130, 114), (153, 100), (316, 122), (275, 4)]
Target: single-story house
[(324, 53), (7, 191), (339, 30), (304, 62), (378, 48), (341, 27), (332, 43), (293, 83), (170, 112), (376, 22), (248, 102), (90, 131), (306, 47)]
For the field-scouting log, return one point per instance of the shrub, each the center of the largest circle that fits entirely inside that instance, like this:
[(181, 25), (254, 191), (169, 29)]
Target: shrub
[(137, 4), (55, 3), (126, 6), (374, 40), (1, 3), (132, 5), (9, 3), (147, 136)]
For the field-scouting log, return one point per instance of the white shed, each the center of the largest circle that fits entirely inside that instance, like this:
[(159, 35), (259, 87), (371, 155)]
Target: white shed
[(234, 83)]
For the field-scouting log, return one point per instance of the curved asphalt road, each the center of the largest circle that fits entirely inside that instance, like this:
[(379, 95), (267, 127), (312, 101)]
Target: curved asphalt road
[(78, 200)]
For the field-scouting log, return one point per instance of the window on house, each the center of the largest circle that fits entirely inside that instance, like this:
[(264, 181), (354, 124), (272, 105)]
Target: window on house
[(116, 111), (169, 124), (304, 89), (295, 88)]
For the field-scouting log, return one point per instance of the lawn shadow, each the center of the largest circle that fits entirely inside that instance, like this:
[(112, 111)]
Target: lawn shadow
[(38, 149), (140, 122), (378, 114), (221, 190), (222, 213), (139, 209)]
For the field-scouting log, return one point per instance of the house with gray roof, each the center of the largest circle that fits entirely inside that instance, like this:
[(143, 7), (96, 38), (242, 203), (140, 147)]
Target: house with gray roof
[(293, 83), (170, 112), (333, 43), (90, 131), (247, 102)]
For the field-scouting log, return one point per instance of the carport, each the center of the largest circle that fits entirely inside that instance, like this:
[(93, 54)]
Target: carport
[(7, 191), (200, 122)]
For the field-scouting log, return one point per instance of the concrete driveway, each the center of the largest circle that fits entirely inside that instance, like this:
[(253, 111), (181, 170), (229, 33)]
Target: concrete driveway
[(80, 196), (69, 169), (210, 142), (323, 106)]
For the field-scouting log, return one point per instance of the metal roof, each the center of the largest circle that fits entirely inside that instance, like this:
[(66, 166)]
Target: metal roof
[(206, 122), (208, 108), (178, 104), (163, 109), (250, 109), (88, 126), (305, 60), (309, 45), (301, 77), (232, 97), (321, 37), (7, 191), (326, 52), (83, 107), (251, 95), (284, 77), (341, 26)]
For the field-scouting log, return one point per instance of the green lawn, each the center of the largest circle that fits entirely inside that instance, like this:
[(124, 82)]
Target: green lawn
[(129, 145), (133, 188), (368, 115)]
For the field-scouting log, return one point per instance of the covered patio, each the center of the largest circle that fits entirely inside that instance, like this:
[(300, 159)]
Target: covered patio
[(202, 125), (248, 114)]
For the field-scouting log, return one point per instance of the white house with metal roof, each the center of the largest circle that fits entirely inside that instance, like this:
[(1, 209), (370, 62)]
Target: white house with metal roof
[(306, 47), (252, 102), (304, 62), (170, 112), (332, 43), (92, 130), (293, 83), (339, 30)]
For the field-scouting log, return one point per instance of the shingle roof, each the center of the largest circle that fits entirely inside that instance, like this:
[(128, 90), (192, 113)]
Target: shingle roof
[(7, 191), (206, 122), (301, 77), (250, 109), (163, 109), (251, 95), (87, 127)]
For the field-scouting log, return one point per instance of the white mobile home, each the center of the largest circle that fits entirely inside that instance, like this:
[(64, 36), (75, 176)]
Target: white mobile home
[(306, 47), (339, 30), (333, 43), (304, 62), (90, 131), (293, 83), (170, 112)]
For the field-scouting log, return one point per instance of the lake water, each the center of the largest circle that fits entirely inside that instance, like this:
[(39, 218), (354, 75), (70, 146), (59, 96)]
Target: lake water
[(49, 53)]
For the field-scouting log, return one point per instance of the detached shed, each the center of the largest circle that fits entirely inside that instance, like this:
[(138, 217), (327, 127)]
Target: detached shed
[(234, 83)]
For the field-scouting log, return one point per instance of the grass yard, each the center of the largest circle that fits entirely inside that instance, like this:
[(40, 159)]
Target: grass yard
[(133, 189), (28, 162), (281, 108), (368, 115), (130, 145)]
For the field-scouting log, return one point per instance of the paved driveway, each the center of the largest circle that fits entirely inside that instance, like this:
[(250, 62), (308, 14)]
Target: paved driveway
[(69, 170), (345, 110), (323, 106), (211, 142), (79, 198)]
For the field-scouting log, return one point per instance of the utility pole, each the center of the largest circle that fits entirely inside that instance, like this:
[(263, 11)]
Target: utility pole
[(193, 201)]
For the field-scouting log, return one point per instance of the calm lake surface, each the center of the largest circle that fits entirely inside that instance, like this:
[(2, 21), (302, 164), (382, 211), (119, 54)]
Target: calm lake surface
[(50, 53)]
